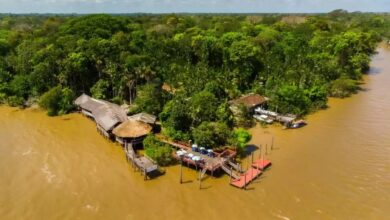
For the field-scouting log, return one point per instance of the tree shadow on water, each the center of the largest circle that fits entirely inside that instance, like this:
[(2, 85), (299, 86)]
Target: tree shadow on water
[(250, 149), (374, 71), (154, 174)]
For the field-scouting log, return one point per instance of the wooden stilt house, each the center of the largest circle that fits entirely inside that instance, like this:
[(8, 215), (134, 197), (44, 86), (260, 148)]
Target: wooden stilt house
[(106, 115)]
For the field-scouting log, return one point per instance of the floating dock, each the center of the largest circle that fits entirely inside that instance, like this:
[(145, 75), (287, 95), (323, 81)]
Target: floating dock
[(256, 169), (246, 178), (261, 164)]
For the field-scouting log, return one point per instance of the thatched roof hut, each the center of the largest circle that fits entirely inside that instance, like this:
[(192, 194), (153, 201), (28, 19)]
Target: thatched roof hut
[(144, 117), (132, 129)]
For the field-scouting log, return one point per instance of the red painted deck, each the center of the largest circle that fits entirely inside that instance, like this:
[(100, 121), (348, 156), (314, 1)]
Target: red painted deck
[(246, 178), (261, 164)]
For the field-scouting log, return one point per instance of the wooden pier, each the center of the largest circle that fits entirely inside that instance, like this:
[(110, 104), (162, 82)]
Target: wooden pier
[(141, 163), (211, 164), (238, 177)]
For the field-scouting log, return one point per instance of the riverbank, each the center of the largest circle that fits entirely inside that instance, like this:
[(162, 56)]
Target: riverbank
[(335, 168)]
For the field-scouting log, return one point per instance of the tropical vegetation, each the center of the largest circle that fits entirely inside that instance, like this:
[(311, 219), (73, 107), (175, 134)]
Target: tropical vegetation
[(185, 68)]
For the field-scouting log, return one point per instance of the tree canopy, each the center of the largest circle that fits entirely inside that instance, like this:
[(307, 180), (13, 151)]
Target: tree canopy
[(185, 68)]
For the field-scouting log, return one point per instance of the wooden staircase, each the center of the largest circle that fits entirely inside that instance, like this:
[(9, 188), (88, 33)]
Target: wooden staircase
[(230, 172), (235, 166)]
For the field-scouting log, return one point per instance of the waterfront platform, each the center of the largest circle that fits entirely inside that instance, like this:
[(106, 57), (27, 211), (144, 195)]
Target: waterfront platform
[(211, 164), (141, 163), (246, 178), (261, 164)]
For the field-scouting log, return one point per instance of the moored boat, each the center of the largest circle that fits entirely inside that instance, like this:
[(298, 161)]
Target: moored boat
[(297, 124), (264, 118)]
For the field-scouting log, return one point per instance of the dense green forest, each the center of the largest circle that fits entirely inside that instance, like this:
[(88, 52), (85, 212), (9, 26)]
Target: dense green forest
[(184, 68)]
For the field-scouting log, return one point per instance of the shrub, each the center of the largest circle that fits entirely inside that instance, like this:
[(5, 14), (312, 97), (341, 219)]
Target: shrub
[(343, 87), (224, 114), (15, 101), (318, 96), (100, 89), (176, 134), (66, 103), (117, 100), (291, 99), (3, 98), (243, 118), (57, 101), (158, 151), (240, 139), (19, 86), (211, 134), (150, 98), (51, 100)]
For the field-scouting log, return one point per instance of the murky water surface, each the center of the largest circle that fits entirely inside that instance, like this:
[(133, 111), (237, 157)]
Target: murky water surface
[(338, 167)]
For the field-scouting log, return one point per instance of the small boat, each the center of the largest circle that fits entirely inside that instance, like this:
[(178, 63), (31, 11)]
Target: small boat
[(262, 111), (298, 124), (263, 118)]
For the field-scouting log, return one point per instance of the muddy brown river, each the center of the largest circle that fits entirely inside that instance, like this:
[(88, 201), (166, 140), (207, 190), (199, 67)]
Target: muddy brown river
[(337, 167)]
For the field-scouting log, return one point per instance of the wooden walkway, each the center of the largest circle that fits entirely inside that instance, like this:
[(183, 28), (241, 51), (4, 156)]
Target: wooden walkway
[(238, 177), (228, 153), (209, 163), (141, 163)]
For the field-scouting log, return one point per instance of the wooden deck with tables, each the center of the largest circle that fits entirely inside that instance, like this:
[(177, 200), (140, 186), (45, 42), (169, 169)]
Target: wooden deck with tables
[(238, 177), (206, 162)]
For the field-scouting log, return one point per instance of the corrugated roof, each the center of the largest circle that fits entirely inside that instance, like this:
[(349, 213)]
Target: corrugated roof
[(88, 103), (249, 100), (82, 99), (144, 117), (106, 114)]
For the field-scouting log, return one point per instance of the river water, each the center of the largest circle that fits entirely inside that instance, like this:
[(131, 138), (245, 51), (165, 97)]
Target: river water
[(337, 167)]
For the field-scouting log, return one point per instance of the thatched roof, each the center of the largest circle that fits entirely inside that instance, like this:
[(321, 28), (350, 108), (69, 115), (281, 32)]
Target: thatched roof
[(132, 129), (249, 100), (106, 114), (144, 117)]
